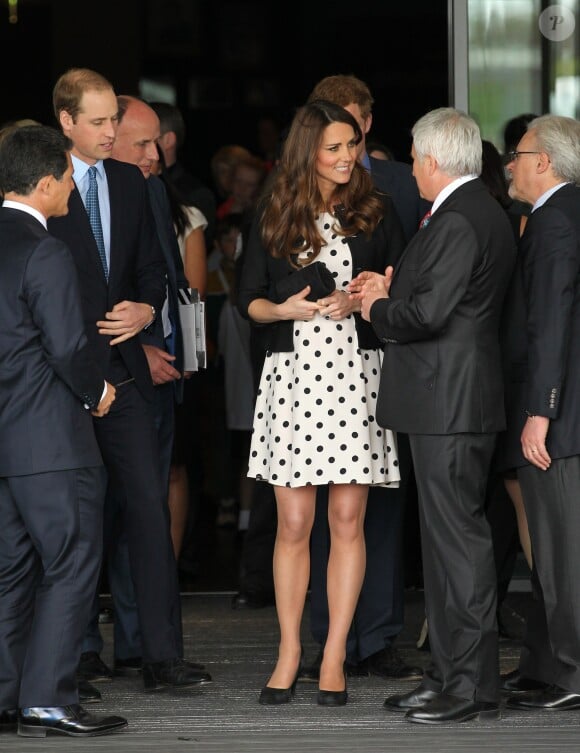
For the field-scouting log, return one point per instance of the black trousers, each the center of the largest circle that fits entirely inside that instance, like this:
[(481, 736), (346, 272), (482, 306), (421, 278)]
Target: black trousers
[(551, 650), (129, 444), (451, 472), (50, 557)]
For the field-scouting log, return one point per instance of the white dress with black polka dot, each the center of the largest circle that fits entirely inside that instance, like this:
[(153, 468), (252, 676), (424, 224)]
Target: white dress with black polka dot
[(314, 420)]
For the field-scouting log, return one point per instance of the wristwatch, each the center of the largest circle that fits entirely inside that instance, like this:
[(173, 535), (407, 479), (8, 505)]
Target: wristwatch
[(153, 315)]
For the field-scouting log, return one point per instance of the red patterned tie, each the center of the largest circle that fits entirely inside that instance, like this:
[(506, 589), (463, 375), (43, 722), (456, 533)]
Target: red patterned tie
[(425, 221)]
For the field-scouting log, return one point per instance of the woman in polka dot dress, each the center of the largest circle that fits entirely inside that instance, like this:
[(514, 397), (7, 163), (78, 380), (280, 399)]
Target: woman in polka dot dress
[(314, 420)]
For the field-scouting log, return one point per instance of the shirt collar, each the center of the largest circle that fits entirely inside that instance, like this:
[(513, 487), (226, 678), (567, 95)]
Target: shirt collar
[(448, 190), (545, 196), (8, 204), (81, 168)]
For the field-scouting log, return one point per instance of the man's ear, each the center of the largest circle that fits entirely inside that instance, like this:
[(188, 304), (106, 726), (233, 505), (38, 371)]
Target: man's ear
[(368, 123), (168, 140), (66, 121), (543, 162)]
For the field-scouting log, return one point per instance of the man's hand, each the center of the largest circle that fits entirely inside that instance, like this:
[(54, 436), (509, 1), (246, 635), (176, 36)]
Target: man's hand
[(106, 401), (160, 365), (126, 320), (368, 287), (533, 441)]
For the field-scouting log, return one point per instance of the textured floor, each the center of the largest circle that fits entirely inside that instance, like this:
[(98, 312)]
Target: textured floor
[(239, 647)]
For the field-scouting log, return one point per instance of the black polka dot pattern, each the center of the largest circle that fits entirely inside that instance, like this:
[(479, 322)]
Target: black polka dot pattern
[(321, 403)]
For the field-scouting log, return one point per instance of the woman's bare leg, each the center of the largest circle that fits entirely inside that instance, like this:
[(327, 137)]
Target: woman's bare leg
[(291, 575), (512, 486), (346, 569)]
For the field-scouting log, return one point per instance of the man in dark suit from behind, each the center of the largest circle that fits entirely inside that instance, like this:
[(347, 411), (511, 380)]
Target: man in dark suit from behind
[(123, 288), (379, 614), (543, 407), (52, 480), (441, 384)]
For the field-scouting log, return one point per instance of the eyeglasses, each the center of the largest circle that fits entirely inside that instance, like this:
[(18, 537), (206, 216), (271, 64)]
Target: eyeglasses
[(511, 156)]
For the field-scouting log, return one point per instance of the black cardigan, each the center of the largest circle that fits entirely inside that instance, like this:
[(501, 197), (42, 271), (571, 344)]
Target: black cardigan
[(260, 270)]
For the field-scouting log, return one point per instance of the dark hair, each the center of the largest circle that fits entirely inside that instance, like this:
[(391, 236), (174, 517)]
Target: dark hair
[(292, 199), (176, 200), (170, 119), (492, 173), (514, 129), (230, 221), (28, 154)]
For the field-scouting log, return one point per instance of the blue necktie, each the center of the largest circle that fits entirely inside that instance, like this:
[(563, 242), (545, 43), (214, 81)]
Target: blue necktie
[(92, 204)]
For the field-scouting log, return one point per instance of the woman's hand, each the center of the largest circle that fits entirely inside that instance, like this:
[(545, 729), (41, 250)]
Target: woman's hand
[(338, 305), (297, 307)]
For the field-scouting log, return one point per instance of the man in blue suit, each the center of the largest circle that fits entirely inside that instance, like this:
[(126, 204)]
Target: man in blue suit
[(52, 480)]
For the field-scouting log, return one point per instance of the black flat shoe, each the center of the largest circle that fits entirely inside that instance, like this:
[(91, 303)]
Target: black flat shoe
[(333, 697), (413, 700), (448, 708), (551, 698), (173, 673), (66, 720), (276, 696)]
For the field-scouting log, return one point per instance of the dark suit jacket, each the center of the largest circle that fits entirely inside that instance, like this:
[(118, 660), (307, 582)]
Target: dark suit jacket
[(542, 330), (137, 270), (396, 179), (46, 370), (260, 270), (175, 277), (442, 366)]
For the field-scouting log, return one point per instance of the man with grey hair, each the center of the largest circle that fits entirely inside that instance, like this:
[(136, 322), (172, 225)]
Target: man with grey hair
[(542, 437), (438, 314)]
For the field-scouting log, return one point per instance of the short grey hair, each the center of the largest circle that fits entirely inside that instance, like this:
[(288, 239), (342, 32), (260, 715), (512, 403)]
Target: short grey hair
[(452, 137), (559, 138)]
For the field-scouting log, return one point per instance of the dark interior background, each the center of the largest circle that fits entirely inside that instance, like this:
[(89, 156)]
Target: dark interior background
[(232, 62)]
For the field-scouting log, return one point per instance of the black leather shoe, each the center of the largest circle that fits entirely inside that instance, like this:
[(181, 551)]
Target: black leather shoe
[(88, 693), (130, 667), (333, 697), (413, 700), (246, 600), (66, 720), (8, 720), (449, 708), (173, 673), (388, 663), (93, 669), (551, 698), (514, 682)]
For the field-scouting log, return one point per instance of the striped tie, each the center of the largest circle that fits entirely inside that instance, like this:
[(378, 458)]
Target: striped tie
[(92, 204), (425, 221)]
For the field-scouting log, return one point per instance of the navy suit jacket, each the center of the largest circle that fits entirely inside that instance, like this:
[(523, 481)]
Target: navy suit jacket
[(136, 271), (441, 370), (542, 330), (175, 277), (46, 369)]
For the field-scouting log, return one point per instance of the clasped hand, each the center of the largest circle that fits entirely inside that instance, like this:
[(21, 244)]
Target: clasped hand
[(335, 306), (368, 287), (126, 320)]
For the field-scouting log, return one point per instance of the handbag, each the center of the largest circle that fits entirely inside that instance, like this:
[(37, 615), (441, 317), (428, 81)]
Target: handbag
[(317, 275)]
